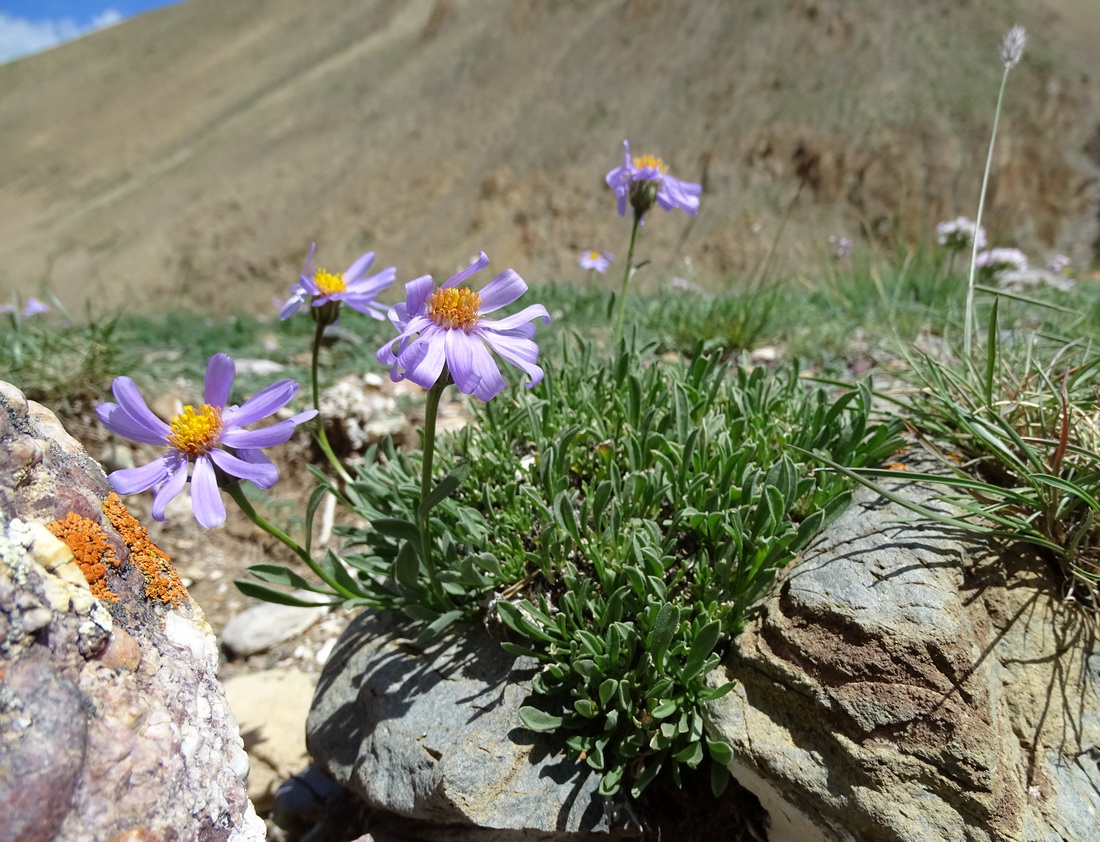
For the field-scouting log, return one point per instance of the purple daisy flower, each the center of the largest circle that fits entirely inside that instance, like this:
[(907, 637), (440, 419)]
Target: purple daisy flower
[(645, 180), (199, 435), (445, 327), (354, 287), (598, 260)]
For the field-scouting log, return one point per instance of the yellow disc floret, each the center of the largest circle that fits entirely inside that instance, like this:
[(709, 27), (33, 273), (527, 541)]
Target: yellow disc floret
[(650, 161), (196, 431), (454, 307), (328, 283)]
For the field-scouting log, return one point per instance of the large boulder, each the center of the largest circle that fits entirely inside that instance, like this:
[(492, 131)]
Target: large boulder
[(112, 721), (906, 683), (434, 736)]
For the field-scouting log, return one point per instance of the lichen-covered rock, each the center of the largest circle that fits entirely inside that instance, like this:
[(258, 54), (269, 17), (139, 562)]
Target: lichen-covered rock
[(904, 683), (112, 721), (434, 736)]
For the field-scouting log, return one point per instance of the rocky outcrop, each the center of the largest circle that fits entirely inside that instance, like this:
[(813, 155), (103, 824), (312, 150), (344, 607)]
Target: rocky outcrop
[(112, 722), (903, 683), (434, 736)]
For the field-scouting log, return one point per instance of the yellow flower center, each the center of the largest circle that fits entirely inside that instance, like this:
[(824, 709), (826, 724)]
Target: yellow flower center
[(643, 161), (195, 431), (328, 283), (454, 307), (593, 255)]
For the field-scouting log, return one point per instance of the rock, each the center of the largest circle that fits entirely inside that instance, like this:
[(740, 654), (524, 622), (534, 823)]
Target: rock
[(274, 734), (111, 718), (268, 624), (433, 736), (903, 683)]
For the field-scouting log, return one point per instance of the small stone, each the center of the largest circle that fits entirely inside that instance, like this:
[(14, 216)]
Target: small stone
[(263, 626)]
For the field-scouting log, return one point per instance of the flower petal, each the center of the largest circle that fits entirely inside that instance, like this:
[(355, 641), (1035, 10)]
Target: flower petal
[(262, 404), (423, 360), (359, 267), (460, 360), (501, 291), (119, 421), (674, 193), (266, 437), (516, 320), (220, 372), (479, 264), (206, 497), (128, 396), (171, 488), (134, 480), (417, 292), (263, 474), (518, 352)]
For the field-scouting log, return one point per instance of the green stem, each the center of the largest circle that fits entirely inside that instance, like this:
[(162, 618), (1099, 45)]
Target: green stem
[(968, 327), (629, 271), (237, 493), (423, 515), (322, 437)]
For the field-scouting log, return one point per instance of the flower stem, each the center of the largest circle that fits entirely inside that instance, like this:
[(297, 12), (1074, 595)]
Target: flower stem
[(237, 493), (322, 437), (627, 273), (423, 515), (968, 327)]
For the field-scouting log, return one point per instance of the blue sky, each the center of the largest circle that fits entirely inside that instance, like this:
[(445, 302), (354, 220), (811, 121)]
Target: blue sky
[(29, 26)]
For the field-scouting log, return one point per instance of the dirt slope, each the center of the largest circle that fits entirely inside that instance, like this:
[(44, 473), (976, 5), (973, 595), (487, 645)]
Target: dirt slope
[(188, 157)]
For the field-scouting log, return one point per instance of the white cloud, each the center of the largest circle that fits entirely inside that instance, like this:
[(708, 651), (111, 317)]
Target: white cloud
[(20, 37)]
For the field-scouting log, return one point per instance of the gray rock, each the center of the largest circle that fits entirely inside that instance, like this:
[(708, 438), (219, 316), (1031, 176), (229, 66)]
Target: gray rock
[(268, 624), (903, 683), (432, 736), (112, 722)]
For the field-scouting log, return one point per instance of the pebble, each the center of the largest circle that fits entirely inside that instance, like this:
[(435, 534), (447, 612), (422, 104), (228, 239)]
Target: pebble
[(268, 624)]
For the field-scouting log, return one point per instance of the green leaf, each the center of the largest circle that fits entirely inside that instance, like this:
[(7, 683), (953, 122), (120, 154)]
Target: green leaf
[(447, 486), (406, 568), (660, 636), (402, 530), (269, 594), (539, 720), (720, 752), (701, 647)]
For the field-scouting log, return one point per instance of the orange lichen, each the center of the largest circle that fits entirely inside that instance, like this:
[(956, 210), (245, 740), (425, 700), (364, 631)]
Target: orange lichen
[(897, 466), (161, 581), (89, 546)]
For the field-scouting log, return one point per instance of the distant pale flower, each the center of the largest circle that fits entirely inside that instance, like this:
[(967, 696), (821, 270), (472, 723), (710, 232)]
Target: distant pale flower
[(842, 246), (1012, 47), (644, 180), (6, 309), (33, 307), (959, 234), (200, 435), (682, 285), (598, 260), (1058, 264), (444, 328), (999, 260), (354, 287)]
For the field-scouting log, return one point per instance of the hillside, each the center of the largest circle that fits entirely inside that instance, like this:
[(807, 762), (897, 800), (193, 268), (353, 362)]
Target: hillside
[(188, 157)]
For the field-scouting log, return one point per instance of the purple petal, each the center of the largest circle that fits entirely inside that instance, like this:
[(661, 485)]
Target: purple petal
[(423, 360), (294, 303), (118, 421), (171, 488), (517, 320), (128, 396), (674, 193), (266, 401), (134, 480), (490, 381), (460, 360), (417, 292), (206, 498), (220, 372), (263, 474), (501, 291), (266, 437), (361, 265), (373, 284), (518, 352), (479, 264)]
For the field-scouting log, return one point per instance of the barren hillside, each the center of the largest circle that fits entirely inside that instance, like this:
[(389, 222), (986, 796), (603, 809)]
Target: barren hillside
[(189, 157)]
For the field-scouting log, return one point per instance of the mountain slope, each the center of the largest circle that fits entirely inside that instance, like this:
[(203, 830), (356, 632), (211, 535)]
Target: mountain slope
[(189, 157)]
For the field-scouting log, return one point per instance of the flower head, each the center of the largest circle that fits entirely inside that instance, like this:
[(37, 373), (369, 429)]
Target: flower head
[(1012, 47), (958, 234), (598, 260), (354, 287), (644, 181), (997, 261), (842, 246), (1058, 264), (210, 436), (33, 307), (445, 327)]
